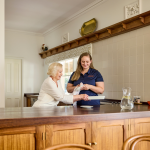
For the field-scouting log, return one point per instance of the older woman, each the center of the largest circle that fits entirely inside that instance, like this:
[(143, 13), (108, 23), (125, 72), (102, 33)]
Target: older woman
[(51, 91)]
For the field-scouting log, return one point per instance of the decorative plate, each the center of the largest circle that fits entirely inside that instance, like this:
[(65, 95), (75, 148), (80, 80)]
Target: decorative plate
[(88, 27), (86, 106)]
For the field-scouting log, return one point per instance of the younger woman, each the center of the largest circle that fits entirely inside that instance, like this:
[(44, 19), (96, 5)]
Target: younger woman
[(89, 76)]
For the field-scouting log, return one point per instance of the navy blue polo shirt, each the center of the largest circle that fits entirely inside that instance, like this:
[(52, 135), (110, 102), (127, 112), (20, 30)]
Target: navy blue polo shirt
[(91, 77)]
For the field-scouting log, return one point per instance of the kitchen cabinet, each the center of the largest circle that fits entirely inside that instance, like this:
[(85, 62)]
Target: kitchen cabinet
[(140, 126), (108, 135), (104, 127), (101, 135), (17, 138), (79, 133)]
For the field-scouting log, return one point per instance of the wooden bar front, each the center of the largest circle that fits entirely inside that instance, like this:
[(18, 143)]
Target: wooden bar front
[(103, 127)]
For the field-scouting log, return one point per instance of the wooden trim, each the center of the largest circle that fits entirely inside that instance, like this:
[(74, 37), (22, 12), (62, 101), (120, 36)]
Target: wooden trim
[(28, 101), (97, 36), (68, 126), (88, 132), (40, 137), (22, 130), (26, 94), (70, 146), (110, 123), (122, 27), (141, 120), (142, 19), (109, 31), (48, 135)]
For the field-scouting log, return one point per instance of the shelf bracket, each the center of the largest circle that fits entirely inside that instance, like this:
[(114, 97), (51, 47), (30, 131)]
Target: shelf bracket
[(142, 19), (69, 45), (97, 36), (77, 42), (86, 39), (48, 53), (109, 31), (124, 26)]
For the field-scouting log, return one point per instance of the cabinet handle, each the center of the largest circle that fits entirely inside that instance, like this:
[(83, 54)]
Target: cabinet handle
[(43, 136), (89, 144), (94, 143)]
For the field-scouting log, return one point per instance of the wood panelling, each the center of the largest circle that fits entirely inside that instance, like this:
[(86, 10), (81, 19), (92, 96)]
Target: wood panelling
[(68, 126), (22, 130), (100, 134), (40, 137), (68, 133), (140, 126), (69, 136), (130, 24), (17, 142), (109, 134)]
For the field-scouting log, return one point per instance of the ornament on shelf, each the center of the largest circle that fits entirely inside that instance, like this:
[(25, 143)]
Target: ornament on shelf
[(43, 47), (46, 48)]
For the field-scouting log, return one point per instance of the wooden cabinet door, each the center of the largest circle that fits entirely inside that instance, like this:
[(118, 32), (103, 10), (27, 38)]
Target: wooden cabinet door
[(140, 126), (17, 138), (109, 135), (79, 133)]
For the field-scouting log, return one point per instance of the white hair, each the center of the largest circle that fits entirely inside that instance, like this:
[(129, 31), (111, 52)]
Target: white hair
[(53, 69)]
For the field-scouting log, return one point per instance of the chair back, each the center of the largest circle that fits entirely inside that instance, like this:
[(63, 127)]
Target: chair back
[(69, 146), (136, 138)]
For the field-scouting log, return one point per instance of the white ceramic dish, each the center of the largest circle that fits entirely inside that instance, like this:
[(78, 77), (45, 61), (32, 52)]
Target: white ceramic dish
[(96, 97), (86, 106)]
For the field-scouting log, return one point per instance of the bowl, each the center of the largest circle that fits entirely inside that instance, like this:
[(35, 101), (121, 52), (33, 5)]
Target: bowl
[(148, 102)]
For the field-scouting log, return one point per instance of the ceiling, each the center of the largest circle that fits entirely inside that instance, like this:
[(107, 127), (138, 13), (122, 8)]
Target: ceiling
[(40, 15)]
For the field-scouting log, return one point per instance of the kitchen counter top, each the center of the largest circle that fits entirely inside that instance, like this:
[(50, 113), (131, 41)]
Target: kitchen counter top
[(27, 116)]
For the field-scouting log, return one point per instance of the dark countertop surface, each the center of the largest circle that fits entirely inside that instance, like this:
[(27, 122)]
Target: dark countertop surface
[(28, 116)]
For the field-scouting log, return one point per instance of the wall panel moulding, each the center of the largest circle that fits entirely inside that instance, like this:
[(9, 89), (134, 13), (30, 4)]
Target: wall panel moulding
[(130, 24)]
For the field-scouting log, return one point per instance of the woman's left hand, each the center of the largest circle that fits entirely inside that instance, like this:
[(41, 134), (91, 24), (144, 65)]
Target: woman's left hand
[(86, 87)]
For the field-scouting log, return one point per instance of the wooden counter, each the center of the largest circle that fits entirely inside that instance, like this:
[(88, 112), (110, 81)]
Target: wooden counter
[(37, 128)]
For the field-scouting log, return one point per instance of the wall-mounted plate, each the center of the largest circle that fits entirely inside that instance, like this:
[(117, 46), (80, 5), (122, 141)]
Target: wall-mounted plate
[(88, 27)]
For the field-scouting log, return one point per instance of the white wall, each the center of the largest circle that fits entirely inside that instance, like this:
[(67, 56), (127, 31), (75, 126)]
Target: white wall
[(107, 13), (2, 55), (124, 61), (26, 46)]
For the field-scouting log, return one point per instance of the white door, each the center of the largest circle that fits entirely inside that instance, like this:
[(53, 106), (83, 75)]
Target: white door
[(13, 82)]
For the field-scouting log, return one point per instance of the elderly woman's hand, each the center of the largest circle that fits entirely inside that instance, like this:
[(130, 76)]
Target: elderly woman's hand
[(84, 97)]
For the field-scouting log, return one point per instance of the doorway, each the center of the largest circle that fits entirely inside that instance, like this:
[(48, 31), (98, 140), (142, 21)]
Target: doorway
[(13, 84)]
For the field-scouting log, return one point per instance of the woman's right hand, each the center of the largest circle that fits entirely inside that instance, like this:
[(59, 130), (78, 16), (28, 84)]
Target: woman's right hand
[(84, 97)]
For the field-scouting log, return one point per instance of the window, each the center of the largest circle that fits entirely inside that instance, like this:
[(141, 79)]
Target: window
[(69, 66)]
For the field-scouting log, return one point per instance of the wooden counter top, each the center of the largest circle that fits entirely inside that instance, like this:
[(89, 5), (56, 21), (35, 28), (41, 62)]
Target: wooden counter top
[(17, 117)]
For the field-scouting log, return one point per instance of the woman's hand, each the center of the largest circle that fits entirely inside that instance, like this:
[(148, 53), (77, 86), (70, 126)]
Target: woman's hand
[(98, 88), (86, 87), (84, 97)]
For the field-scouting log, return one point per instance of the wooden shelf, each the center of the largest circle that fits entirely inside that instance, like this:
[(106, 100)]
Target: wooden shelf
[(130, 24)]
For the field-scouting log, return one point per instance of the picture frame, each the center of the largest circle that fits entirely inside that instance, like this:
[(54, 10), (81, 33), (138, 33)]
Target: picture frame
[(133, 9), (65, 38)]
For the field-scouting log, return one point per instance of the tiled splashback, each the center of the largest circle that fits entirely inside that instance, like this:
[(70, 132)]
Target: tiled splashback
[(124, 61)]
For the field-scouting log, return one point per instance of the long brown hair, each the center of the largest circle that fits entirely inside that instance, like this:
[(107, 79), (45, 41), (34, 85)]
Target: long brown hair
[(76, 75)]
